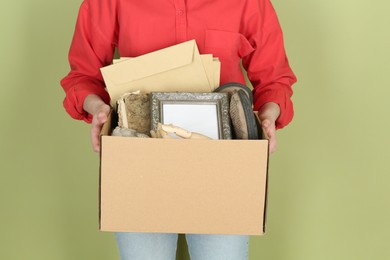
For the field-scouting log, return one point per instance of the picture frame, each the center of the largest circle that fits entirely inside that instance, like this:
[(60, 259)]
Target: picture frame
[(204, 113)]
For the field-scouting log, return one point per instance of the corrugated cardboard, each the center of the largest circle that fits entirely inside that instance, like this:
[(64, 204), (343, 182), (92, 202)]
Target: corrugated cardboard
[(182, 186)]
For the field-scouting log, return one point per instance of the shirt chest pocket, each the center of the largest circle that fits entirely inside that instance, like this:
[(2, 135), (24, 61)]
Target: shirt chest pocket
[(227, 46)]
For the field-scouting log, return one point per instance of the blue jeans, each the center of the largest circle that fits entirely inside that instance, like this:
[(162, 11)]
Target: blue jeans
[(161, 246)]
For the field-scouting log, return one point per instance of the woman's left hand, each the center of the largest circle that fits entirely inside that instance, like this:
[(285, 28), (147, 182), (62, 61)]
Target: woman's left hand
[(268, 114), (270, 131)]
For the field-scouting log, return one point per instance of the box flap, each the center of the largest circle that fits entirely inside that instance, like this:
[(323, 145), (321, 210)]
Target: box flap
[(111, 122)]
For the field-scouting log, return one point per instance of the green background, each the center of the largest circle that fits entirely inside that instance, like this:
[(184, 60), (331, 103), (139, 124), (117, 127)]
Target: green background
[(329, 180)]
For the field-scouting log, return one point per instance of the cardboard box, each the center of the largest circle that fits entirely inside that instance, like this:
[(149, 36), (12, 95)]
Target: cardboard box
[(182, 186)]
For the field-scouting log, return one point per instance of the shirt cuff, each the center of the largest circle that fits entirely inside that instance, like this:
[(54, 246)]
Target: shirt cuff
[(280, 97), (75, 96)]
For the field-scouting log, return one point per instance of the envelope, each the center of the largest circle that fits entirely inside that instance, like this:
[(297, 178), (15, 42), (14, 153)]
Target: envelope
[(217, 72), (211, 64), (176, 68)]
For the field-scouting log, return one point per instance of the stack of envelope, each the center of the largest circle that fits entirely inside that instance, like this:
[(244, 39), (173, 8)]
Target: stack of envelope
[(177, 68)]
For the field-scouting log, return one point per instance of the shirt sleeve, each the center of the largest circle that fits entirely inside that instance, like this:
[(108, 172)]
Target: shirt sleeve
[(92, 47), (267, 66)]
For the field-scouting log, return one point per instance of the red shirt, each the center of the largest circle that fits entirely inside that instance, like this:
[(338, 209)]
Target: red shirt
[(229, 29)]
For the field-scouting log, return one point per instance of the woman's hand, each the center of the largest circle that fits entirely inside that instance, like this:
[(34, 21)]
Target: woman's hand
[(94, 105), (268, 114)]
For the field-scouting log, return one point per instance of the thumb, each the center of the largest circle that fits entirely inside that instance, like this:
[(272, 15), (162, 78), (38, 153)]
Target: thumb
[(101, 117), (265, 123)]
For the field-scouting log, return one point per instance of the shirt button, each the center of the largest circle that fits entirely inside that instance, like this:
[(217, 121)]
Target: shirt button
[(180, 12)]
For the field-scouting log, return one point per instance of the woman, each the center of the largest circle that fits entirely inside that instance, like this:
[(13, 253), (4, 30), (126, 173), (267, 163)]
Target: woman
[(232, 30)]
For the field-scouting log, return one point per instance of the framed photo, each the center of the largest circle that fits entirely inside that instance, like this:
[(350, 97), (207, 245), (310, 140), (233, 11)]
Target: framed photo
[(204, 113)]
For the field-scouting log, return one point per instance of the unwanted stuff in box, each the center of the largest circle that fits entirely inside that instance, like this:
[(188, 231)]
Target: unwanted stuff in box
[(202, 186), (182, 186)]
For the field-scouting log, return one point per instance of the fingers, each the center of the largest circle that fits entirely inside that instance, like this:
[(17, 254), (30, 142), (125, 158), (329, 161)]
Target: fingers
[(97, 122), (272, 143), (270, 130)]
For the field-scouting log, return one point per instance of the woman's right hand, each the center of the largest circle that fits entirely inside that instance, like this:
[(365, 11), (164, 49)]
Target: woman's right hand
[(99, 110)]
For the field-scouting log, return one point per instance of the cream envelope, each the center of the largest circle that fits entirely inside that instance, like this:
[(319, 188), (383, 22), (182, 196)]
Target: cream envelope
[(176, 68), (211, 64), (207, 60), (217, 72)]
